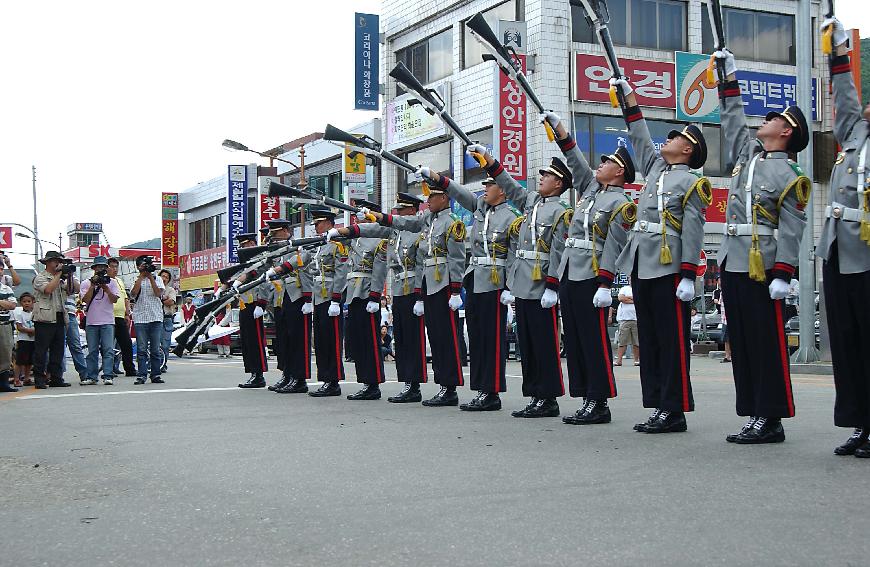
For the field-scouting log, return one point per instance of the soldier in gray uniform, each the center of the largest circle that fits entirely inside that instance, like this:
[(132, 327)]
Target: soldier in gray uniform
[(764, 224), (252, 307), (441, 254), (408, 327), (586, 264), (293, 309), (365, 281), (485, 282), (845, 248), (328, 267), (532, 279), (662, 256)]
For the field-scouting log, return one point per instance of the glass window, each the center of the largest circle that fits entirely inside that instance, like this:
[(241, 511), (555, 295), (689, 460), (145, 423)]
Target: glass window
[(759, 36), (471, 48), (644, 11), (430, 59), (656, 24), (206, 233), (437, 157)]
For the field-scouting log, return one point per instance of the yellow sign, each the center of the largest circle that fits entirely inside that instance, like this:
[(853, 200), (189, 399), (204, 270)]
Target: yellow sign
[(354, 165)]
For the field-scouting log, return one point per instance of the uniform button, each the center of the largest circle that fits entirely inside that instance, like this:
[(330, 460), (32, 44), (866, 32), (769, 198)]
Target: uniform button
[(849, 170), (758, 197), (761, 186), (733, 197)]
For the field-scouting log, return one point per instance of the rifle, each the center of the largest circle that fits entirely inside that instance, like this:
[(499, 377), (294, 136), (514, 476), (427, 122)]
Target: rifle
[(366, 145), (827, 44), (431, 102), (507, 60), (598, 17), (276, 189), (714, 9)]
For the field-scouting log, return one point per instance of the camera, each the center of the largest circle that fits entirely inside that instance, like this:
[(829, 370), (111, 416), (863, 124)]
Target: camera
[(100, 278), (146, 264), (67, 267)]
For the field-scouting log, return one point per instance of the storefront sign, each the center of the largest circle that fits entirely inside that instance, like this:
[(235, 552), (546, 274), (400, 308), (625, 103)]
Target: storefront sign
[(5, 237), (510, 130), (653, 81), (407, 124), (89, 227), (237, 208), (354, 166), (199, 269), (769, 92), (366, 56), (169, 230), (269, 207)]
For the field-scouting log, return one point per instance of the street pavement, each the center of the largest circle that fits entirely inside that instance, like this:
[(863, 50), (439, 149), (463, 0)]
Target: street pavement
[(199, 472)]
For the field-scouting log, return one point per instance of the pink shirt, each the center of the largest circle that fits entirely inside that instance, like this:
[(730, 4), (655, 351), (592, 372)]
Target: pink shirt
[(101, 309)]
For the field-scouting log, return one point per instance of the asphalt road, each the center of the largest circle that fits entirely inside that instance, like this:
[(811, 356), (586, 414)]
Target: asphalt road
[(198, 472)]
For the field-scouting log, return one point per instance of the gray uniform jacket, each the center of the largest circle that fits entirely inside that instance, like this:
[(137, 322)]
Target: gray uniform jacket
[(441, 250), (847, 199), (492, 251), (543, 232), (602, 220), (672, 196), (401, 255), (297, 282), (328, 267), (764, 185), (262, 295), (368, 258)]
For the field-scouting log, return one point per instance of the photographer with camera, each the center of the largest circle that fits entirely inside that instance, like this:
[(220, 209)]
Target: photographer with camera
[(170, 307), (50, 287), (147, 295), (99, 294), (11, 279)]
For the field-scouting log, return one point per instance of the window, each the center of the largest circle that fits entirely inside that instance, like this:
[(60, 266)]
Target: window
[(328, 185), (437, 158), (759, 36), (206, 233), (472, 50), (656, 24), (430, 59)]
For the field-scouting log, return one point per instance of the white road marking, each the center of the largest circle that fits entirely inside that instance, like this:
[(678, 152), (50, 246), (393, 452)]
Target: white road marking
[(118, 393)]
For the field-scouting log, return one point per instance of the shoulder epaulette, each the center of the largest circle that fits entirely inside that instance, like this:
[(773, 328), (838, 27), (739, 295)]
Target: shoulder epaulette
[(382, 245), (628, 210), (514, 229), (566, 217), (704, 190), (457, 230)]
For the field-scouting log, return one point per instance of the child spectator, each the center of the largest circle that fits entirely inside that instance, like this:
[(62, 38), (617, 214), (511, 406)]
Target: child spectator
[(23, 317)]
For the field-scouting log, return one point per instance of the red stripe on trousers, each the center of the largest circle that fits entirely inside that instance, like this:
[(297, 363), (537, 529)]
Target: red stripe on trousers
[(258, 324), (424, 376), (307, 352), (497, 343), (607, 363), (450, 312), (338, 367), (783, 354), (556, 344), (684, 375), (377, 349)]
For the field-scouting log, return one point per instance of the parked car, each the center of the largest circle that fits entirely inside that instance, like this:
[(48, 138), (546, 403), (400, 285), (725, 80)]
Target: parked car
[(793, 335), (235, 340), (713, 328)]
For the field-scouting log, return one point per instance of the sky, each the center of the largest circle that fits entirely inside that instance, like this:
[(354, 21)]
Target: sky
[(115, 102)]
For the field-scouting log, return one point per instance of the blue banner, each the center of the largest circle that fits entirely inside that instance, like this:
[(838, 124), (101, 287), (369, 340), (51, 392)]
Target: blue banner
[(237, 208), (767, 92), (366, 55)]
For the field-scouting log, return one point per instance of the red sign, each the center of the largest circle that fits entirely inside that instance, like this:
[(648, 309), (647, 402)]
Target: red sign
[(511, 124), (702, 264), (169, 230), (5, 237), (653, 81), (205, 262), (270, 209)]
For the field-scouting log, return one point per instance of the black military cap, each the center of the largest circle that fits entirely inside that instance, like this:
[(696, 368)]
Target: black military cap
[(264, 230), (276, 224), (246, 237), (489, 181), (558, 168), (319, 213), (800, 135), (367, 204), (696, 137), (407, 200), (622, 158)]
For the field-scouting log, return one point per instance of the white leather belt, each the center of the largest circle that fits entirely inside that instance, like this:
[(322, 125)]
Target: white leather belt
[(580, 243), (359, 275), (532, 255), (841, 212), (435, 261), (746, 230), (486, 261), (406, 274), (322, 278), (653, 227)]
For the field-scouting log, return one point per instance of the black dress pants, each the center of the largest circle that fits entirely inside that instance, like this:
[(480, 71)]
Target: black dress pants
[(442, 326), (328, 339), (365, 336), (487, 337), (538, 337), (253, 339), (48, 349), (410, 340), (295, 350)]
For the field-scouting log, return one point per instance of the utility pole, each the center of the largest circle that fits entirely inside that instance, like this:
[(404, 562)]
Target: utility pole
[(35, 228), (807, 351)]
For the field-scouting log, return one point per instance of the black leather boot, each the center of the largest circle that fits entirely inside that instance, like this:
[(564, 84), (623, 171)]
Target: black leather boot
[(485, 401), (410, 394), (326, 390), (522, 412), (764, 430), (858, 438), (546, 407), (445, 397), (668, 422), (368, 392), (731, 438), (280, 383), (255, 381), (295, 386), (594, 411), (653, 416)]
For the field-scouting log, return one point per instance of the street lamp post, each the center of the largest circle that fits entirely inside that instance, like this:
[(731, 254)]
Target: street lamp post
[(37, 247), (238, 146), (39, 240)]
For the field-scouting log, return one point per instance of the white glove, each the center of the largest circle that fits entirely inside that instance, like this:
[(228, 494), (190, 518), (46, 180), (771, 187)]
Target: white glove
[(778, 289), (602, 297), (423, 173), (549, 299), (271, 273), (373, 306), (363, 213), (550, 118), (332, 233), (622, 85), (237, 284), (507, 297), (258, 312), (686, 290), (730, 65), (225, 322), (307, 308), (418, 308), (839, 36), (455, 302), (334, 309), (476, 149), (359, 216)]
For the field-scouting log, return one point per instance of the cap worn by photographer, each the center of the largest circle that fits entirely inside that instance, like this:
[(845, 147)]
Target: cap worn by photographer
[(52, 255), (100, 261)]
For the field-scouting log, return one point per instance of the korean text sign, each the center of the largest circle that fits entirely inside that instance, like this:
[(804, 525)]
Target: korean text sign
[(653, 81), (511, 122), (169, 230), (237, 208), (366, 55)]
